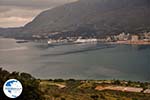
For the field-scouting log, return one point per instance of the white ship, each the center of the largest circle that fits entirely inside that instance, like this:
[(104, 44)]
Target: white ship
[(80, 40)]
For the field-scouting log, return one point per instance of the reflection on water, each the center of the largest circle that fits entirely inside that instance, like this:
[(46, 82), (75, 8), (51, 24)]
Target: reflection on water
[(88, 61), (141, 47), (77, 49), (14, 49)]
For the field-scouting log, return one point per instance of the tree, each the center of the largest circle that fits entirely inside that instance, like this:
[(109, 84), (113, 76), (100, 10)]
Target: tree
[(63, 99), (117, 82), (30, 85), (55, 96), (58, 80), (94, 97)]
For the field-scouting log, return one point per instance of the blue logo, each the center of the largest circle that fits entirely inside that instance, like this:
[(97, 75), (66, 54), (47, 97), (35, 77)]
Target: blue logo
[(12, 88)]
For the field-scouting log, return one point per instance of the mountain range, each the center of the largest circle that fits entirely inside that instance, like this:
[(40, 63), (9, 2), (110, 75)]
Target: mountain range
[(97, 17)]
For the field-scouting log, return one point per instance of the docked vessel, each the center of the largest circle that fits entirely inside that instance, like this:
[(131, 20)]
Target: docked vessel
[(22, 41)]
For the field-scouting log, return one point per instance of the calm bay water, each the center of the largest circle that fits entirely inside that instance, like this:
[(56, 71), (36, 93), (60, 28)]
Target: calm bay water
[(88, 61)]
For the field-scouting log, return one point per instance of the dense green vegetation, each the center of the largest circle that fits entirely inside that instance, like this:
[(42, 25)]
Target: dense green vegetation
[(59, 89)]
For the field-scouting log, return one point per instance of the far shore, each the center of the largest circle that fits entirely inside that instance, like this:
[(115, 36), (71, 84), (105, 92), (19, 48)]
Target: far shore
[(129, 42), (140, 42)]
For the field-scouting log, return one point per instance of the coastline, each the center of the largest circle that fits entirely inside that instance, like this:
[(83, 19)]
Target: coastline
[(140, 42)]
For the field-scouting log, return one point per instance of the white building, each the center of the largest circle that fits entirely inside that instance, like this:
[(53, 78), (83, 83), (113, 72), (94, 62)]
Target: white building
[(122, 37), (134, 38)]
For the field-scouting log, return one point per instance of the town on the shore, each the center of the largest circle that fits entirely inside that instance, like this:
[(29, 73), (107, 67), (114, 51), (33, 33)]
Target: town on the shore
[(122, 38)]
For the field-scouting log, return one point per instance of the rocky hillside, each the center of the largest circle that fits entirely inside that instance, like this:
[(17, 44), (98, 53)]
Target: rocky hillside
[(99, 16)]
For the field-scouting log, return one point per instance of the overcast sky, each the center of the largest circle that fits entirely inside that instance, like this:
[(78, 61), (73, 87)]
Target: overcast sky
[(14, 13)]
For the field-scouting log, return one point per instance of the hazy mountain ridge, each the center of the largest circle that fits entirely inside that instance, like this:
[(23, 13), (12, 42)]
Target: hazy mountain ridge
[(97, 16), (11, 32), (102, 16)]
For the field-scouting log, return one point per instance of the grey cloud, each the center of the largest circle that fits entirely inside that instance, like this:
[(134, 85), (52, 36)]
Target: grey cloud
[(4, 9), (24, 10), (25, 13), (37, 4)]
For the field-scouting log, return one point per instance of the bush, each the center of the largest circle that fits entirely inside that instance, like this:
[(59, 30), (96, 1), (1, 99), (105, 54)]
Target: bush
[(58, 80)]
